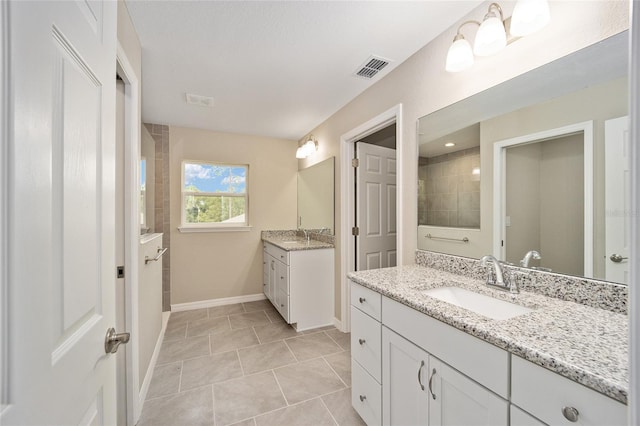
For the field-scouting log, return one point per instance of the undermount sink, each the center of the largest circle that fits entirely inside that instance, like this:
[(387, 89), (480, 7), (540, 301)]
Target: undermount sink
[(292, 242), (479, 303)]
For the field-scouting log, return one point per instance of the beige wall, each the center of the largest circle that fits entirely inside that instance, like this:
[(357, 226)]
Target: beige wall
[(216, 265), (422, 86)]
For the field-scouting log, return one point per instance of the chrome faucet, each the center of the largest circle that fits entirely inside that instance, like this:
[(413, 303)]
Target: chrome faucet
[(305, 232), (501, 281), (527, 258)]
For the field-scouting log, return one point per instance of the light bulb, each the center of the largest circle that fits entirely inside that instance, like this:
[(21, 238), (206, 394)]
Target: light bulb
[(491, 37), (309, 147), (300, 153), (460, 55), (529, 16)]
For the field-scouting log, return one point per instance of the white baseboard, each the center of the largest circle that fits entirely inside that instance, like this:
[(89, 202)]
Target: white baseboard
[(338, 324), (144, 389), (216, 302)]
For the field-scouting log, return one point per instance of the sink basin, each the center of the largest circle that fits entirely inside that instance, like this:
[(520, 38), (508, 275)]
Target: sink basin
[(479, 303), (291, 242)]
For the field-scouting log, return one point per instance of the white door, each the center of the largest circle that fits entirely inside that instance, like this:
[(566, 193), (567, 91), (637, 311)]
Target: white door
[(455, 399), (61, 213), (405, 373), (375, 207), (617, 202)]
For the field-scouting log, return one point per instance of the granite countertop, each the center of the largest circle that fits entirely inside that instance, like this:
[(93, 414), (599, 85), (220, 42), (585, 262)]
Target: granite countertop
[(289, 243), (585, 344)]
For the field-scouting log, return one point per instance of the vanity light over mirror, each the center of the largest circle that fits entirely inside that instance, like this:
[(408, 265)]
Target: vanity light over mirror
[(538, 165), (316, 197)]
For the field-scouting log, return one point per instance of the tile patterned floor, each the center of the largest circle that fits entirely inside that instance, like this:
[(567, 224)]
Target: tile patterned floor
[(243, 365)]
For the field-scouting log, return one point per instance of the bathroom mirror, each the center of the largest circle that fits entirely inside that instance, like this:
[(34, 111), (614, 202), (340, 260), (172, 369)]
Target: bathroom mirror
[(316, 196), (549, 142), (147, 181)]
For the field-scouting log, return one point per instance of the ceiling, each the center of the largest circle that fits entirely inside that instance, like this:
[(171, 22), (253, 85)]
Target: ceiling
[(273, 68)]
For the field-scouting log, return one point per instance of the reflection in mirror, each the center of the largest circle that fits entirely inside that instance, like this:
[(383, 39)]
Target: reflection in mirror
[(449, 180), (551, 143), (315, 196), (147, 181)]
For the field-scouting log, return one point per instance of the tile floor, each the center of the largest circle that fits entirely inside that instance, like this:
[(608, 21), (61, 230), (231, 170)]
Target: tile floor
[(243, 365)]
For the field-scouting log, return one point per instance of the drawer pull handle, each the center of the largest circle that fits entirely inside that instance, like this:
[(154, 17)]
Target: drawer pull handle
[(420, 374), (570, 413), (430, 380), (362, 299), (362, 398), (361, 341)]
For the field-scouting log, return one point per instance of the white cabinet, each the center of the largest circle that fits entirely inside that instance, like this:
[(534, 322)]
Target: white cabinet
[(553, 398), (300, 285), (418, 388), (455, 399), (405, 375), (521, 418)]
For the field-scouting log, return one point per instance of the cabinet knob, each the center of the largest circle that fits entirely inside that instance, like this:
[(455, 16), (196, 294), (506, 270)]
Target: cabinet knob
[(362, 398), (282, 278), (282, 305), (362, 299), (570, 413), (361, 341)]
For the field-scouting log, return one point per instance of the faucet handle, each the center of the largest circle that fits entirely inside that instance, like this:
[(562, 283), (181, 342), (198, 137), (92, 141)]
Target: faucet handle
[(491, 277)]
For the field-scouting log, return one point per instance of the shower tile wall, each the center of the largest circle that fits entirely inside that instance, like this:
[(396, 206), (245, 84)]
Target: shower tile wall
[(160, 134), (449, 191)]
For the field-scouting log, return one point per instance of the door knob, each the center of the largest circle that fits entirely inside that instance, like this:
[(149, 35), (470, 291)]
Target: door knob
[(617, 258), (113, 340)]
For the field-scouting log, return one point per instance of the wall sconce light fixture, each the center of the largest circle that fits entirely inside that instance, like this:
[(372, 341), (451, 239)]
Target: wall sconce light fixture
[(308, 148), (528, 16)]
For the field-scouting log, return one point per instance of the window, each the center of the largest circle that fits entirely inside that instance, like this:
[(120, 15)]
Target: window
[(214, 196)]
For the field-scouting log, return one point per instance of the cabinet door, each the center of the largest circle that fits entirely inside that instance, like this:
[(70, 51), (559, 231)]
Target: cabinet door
[(520, 418), (273, 278), (404, 381), (266, 267), (455, 399)]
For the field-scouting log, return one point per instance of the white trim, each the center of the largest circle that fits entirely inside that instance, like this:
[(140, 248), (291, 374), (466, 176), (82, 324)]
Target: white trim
[(191, 229), (338, 324), (5, 135), (152, 363), (177, 307), (131, 229), (347, 181), (500, 185), (634, 255)]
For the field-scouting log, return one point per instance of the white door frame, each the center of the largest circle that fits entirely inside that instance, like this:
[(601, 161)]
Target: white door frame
[(500, 185), (634, 255), (347, 204), (132, 123), (4, 193)]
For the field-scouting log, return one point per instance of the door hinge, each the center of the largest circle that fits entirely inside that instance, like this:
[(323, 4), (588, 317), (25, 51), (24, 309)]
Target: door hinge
[(355, 231), (355, 162), (119, 271)]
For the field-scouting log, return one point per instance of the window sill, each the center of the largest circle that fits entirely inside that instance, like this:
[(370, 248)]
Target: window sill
[(196, 229)]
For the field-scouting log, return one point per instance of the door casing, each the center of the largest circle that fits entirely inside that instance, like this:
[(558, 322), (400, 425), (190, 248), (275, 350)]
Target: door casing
[(347, 198)]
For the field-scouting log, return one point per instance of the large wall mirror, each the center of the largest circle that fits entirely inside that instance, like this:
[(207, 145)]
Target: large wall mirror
[(535, 164), (316, 196)]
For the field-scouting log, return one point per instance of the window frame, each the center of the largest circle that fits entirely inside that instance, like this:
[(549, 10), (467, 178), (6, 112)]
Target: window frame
[(213, 226)]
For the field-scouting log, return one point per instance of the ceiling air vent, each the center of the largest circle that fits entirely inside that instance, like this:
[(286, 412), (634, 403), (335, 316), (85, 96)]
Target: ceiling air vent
[(372, 66), (199, 100)]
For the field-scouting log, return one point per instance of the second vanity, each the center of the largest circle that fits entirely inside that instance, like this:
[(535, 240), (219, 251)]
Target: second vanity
[(420, 360), (298, 278)]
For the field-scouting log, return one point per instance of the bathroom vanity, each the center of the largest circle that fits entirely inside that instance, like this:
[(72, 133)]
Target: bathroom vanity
[(419, 360), (298, 279)]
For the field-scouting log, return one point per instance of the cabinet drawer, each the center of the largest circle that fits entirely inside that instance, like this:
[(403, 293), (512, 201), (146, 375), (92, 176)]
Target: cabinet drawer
[(368, 301), (479, 360), (277, 253), (366, 395), (544, 394), (366, 342)]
